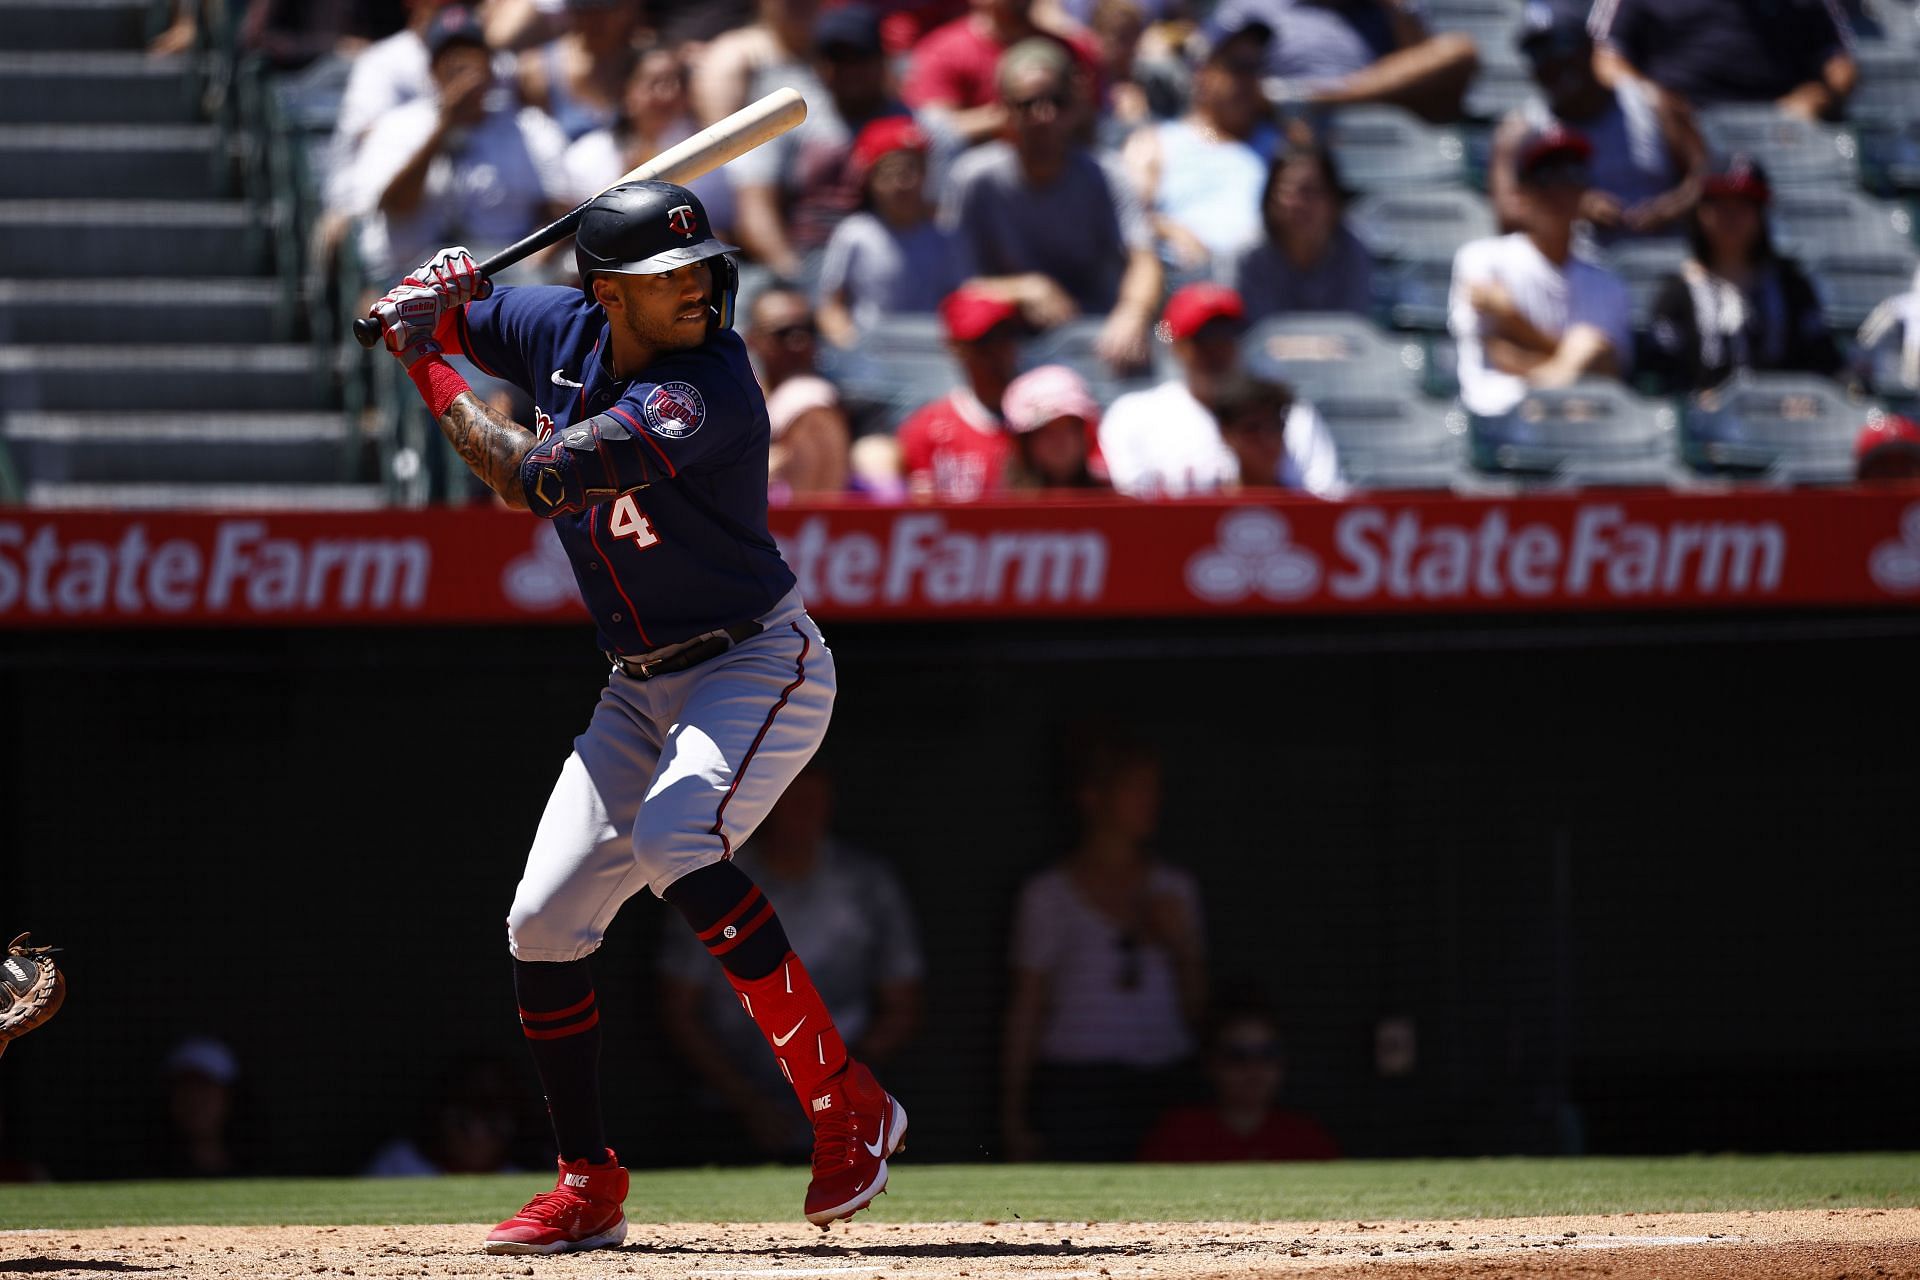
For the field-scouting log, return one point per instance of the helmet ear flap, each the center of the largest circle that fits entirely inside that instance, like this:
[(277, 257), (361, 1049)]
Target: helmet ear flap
[(726, 287)]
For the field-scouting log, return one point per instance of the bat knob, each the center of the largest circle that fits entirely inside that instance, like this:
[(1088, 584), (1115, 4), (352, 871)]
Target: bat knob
[(366, 331)]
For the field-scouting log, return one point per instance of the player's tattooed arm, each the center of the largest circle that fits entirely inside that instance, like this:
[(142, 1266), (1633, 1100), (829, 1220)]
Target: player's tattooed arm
[(490, 443)]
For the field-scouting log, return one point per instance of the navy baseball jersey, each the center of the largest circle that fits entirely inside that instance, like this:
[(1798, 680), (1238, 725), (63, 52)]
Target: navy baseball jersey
[(656, 484)]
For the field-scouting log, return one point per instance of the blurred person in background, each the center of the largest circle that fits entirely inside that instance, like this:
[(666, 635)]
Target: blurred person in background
[(1246, 1066), (1252, 413), (1648, 159), (1526, 309), (472, 1124), (792, 191), (852, 911), (773, 49), (954, 74), (1309, 259), (654, 115), (1108, 972), (810, 453), (388, 73), (1166, 443), (956, 448), (581, 79), (1345, 52), (1888, 450), (200, 1078), (1889, 345), (1044, 224), (462, 165), (1797, 54), (1736, 303), (890, 256), (1053, 421), (1199, 177)]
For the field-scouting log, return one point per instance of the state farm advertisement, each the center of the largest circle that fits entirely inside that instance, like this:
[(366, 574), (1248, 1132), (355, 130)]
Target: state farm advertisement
[(1104, 558)]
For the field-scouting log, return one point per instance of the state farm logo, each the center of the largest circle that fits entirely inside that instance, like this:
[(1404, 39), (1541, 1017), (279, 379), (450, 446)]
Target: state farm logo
[(922, 559), (1895, 566), (541, 580), (1253, 556)]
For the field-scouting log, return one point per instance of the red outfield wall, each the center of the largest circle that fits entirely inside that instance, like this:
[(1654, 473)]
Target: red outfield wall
[(1627, 551)]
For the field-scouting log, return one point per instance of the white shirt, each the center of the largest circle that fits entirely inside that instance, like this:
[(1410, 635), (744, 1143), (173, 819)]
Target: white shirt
[(1163, 443), (386, 74), (484, 190), (1113, 999), (1552, 298)]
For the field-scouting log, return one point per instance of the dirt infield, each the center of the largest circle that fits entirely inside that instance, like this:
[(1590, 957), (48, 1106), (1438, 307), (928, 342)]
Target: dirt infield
[(1854, 1244)]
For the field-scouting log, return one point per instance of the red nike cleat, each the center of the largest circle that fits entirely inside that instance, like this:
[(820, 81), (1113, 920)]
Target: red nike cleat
[(581, 1212), (856, 1126)]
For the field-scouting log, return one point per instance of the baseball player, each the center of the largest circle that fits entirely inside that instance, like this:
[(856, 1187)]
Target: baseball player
[(650, 458)]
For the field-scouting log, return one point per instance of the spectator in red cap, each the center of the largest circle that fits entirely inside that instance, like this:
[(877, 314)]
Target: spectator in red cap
[(1648, 158), (890, 257), (1526, 308), (1888, 449), (1042, 221), (794, 190), (956, 449), (1736, 303), (954, 67), (1166, 442), (1053, 418)]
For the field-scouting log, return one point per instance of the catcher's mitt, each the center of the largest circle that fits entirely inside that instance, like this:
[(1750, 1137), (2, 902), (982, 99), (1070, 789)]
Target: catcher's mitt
[(31, 989)]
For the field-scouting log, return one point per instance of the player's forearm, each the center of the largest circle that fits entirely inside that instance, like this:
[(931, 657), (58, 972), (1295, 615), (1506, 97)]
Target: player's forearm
[(490, 443)]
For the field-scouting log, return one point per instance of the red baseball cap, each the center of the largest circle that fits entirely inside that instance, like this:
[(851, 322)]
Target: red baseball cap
[(1740, 178), (1554, 151), (1197, 304), (970, 313), (1887, 446), (883, 137)]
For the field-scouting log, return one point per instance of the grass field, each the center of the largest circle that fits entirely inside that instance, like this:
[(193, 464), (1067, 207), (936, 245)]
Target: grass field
[(1361, 1190)]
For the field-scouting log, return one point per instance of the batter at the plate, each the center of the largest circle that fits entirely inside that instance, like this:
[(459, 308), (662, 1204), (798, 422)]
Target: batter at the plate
[(650, 458)]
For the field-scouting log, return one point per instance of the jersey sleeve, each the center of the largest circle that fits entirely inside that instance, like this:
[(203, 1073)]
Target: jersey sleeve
[(498, 333), (695, 415)]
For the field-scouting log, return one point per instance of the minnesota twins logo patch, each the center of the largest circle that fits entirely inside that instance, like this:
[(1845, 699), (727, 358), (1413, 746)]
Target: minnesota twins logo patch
[(674, 410), (680, 218)]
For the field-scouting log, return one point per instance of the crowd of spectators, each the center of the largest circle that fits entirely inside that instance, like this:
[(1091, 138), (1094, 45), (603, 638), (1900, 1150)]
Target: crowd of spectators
[(1012, 173)]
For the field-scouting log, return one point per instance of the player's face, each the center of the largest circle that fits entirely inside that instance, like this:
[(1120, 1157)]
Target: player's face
[(664, 312)]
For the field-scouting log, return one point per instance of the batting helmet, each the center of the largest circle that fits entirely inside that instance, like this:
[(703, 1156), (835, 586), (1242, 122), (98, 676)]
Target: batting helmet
[(647, 228)]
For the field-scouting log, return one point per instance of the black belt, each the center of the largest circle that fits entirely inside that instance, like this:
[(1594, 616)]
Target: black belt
[(695, 653)]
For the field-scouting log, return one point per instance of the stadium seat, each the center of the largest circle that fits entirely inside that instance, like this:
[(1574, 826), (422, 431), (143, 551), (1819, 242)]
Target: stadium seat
[(1645, 265), (1323, 354), (1797, 153), (1389, 149), (1499, 87), (1389, 441), (1852, 282), (1787, 426), (1413, 238), (1594, 433), (1491, 23), (1808, 224)]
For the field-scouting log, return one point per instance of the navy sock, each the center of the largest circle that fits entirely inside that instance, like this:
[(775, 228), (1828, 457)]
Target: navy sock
[(560, 1018), (733, 918)]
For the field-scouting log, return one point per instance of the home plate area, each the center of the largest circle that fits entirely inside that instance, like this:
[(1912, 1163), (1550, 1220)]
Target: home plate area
[(1860, 1244)]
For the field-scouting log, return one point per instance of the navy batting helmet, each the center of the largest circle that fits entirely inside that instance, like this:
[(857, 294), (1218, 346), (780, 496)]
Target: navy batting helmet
[(647, 228)]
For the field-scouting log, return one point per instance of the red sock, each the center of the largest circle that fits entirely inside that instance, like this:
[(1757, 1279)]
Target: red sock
[(789, 1012)]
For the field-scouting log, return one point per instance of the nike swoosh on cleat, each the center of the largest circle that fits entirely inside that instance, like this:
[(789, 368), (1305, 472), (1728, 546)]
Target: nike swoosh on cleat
[(780, 1042), (560, 379), (873, 1148)]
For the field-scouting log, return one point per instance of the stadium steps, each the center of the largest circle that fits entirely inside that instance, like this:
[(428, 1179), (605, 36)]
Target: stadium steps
[(148, 352), (154, 310), (42, 238), (73, 24), (159, 379), (96, 87), (225, 497), (75, 161), (178, 448)]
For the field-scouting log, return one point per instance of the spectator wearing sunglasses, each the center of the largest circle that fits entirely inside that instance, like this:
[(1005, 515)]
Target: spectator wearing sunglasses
[(811, 450), (1109, 971), (1246, 1068), (1043, 223)]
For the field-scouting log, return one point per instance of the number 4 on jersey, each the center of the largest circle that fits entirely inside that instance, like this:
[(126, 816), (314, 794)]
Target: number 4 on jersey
[(627, 520)]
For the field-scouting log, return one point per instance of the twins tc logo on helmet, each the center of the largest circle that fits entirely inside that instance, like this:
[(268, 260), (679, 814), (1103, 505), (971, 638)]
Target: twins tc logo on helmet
[(681, 219), (674, 410)]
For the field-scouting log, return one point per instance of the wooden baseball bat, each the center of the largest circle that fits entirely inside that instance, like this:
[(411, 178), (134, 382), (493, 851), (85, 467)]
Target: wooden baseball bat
[(705, 151)]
